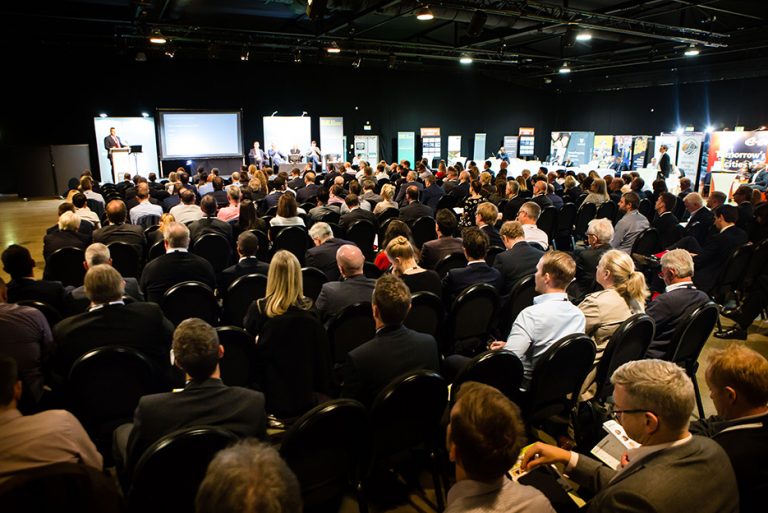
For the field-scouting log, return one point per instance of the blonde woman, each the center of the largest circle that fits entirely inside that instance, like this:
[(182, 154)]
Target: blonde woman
[(387, 193), (156, 236), (403, 257), (285, 293), (598, 193)]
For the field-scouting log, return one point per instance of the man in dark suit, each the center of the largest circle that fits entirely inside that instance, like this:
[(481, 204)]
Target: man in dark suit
[(669, 308), (711, 257), (410, 181), (118, 231), (209, 223), (309, 191), (599, 235), (672, 471), (514, 202), (461, 190), (256, 155), (112, 141), (109, 321), (666, 223), (323, 208), (356, 213), (665, 164), (18, 262), (205, 400), (68, 235), (176, 266), (475, 245), (296, 182), (435, 250), (323, 254), (414, 210), (486, 216), (520, 258), (451, 180), (685, 188), (432, 192), (701, 219), (247, 249), (278, 189), (393, 351), (743, 199), (540, 195), (354, 288)]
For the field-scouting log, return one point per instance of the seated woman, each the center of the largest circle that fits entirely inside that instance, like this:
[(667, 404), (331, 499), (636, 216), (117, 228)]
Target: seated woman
[(598, 193), (156, 236), (403, 257), (287, 210), (395, 228), (470, 204), (249, 219), (387, 193)]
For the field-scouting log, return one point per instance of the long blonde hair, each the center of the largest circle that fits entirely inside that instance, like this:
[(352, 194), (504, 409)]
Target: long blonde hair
[(629, 283), (285, 286)]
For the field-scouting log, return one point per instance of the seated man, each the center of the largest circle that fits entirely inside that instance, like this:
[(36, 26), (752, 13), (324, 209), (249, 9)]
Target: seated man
[(145, 207), (80, 202), (680, 297), (31, 441), (323, 255), (234, 482), (19, 264), (67, 236), (666, 223), (118, 231), (700, 222), (485, 219), (323, 208), (186, 211), (209, 223), (737, 378), (527, 216), (85, 228), (484, 437), (435, 250), (599, 235), (176, 266), (631, 224), (393, 351), (356, 213), (475, 245), (412, 209), (247, 249), (109, 321), (672, 471), (354, 288), (520, 258), (205, 400), (550, 318), (711, 257)]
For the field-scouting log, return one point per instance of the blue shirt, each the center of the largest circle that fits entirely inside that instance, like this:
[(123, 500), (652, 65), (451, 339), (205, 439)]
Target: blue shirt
[(628, 229), (550, 318), (143, 210)]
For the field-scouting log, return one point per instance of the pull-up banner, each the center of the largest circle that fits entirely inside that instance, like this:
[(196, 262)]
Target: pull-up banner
[(689, 154), (526, 142), (729, 151), (479, 152), (639, 151), (510, 146), (406, 147)]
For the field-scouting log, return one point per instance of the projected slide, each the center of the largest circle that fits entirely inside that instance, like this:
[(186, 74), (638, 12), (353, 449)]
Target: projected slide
[(285, 132), (200, 134)]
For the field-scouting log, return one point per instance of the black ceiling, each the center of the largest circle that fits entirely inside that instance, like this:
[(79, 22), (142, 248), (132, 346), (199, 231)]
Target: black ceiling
[(634, 43)]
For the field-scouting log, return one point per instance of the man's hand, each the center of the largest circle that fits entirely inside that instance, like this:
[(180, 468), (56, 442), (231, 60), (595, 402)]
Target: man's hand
[(543, 454), (497, 344)]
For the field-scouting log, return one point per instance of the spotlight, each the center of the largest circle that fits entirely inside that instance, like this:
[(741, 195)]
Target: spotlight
[(356, 63), (170, 53), (103, 115), (157, 38), (297, 57), (710, 129), (692, 51), (565, 68), (679, 130), (465, 59), (391, 61), (423, 13), (144, 114), (245, 54), (583, 36), (333, 48)]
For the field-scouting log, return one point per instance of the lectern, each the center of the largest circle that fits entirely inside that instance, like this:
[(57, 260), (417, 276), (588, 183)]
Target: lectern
[(120, 163)]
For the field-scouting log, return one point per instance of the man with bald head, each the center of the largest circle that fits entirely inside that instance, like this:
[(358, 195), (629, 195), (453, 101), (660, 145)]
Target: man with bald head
[(353, 288), (540, 195), (117, 230)]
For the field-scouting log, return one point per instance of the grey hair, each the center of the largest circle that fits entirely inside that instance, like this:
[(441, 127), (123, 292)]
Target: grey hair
[(103, 284), (694, 198), (321, 231), (177, 235), (69, 221), (602, 229), (680, 261), (97, 253), (662, 387)]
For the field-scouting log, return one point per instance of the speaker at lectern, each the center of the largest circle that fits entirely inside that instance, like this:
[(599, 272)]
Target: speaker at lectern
[(120, 163)]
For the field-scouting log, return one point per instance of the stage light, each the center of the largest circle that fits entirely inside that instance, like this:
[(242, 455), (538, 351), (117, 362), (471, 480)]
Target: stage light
[(692, 51), (356, 63), (316, 8), (679, 130), (141, 57), (297, 57), (170, 53), (245, 54), (103, 115), (710, 129), (189, 162), (583, 36), (333, 48), (391, 61), (565, 68), (144, 114), (465, 59), (157, 38), (423, 13)]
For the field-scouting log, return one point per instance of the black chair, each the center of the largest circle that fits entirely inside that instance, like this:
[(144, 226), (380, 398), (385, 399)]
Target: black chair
[(520, 297), (628, 343), (732, 274), (157, 249), (563, 233), (607, 211), (390, 213), (337, 230), (190, 299), (448, 262), (755, 267), (309, 205), (97, 207), (423, 230), (689, 339), (263, 253), (646, 208), (293, 239), (238, 363), (647, 243), (426, 313), (557, 378), (147, 221), (151, 229), (470, 319), (371, 271), (215, 248), (363, 233), (104, 387), (490, 256), (52, 315), (547, 222), (126, 258), (324, 449), (447, 201), (383, 225), (502, 370), (239, 296), (352, 327), (584, 215), (66, 265), (406, 416), (176, 462), (313, 280), (331, 217)]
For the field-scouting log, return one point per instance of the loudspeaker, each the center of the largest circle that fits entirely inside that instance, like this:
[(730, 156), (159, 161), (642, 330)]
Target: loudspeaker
[(476, 23), (316, 8)]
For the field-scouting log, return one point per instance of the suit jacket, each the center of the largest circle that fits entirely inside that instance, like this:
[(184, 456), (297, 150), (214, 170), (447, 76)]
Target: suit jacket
[(295, 183), (210, 225), (493, 235), (170, 202), (201, 403), (543, 201), (515, 263), (78, 302), (109, 143), (141, 326), (335, 295), (667, 310), (695, 476), (586, 267), (431, 196), (306, 193), (512, 207), (401, 198), (699, 225), (669, 229), (435, 250), (460, 191), (324, 257), (65, 239), (357, 214), (459, 279), (714, 253), (556, 200), (746, 216), (411, 212), (665, 165), (272, 198), (50, 292), (394, 351), (165, 271), (246, 266), (130, 233)]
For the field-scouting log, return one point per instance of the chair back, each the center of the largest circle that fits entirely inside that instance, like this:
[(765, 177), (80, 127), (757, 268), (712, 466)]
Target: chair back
[(239, 296), (628, 343), (733, 272), (263, 253), (647, 243), (313, 279), (324, 450), (97, 207), (557, 378), (471, 315), (565, 220), (238, 363), (607, 211), (426, 314), (66, 265), (691, 335), (352, 327), (423, 230), (646, 208), (190, 299), (337, 230), (547, 222), (502, 370), (157, 249), (148, 220), (756, 265), (448, 262), (520, 297), (126, 258), (215, 248), (363, 233), (176, 462), (371, 271), (584, 215), (390, 213), (490, 256), (331, 217), (293, 239), (52, 315)]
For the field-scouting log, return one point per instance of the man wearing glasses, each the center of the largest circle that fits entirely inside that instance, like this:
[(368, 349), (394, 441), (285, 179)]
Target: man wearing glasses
[(672, 471)]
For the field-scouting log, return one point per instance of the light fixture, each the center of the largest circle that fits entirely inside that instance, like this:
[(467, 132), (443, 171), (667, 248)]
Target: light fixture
[(356, 63), (692, 51), (297, 57), (423, 13), (565, 68), (145, 114), (245, 54), (141, 57), (465, 59), (583, 36), (710, 129), (170, 53), (679, 130), (333, 48), (391, 61), (157, 38), (103, 115)]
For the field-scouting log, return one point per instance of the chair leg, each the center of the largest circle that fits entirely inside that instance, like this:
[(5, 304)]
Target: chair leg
[(698, 397)]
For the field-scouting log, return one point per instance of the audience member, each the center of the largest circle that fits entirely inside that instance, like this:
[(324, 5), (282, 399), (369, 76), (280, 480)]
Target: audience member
[(18, 263), (435, 250), (631, 225), (354, 288), (248, 262), (287, 212), (527, 216), (486, 216), (387, 194), (356, 213), (323, 208), (232, 211), (666, 224), (475, 246), (432, 192), (599, 235), (145, 207), (401, 253), (209, 223), (700, 219), (85, 227), (475, 197), (323, 254), (80, 202), (68, 235), (309, 191), (187, 211), (117, 230), (540, 195), (520, 258), (413, 210)]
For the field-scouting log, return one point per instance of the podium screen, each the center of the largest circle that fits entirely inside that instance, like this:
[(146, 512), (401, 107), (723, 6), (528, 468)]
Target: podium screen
[(186, 134)]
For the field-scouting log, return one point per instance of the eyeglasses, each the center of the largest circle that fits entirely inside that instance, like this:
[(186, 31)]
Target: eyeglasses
[(616, 414)]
